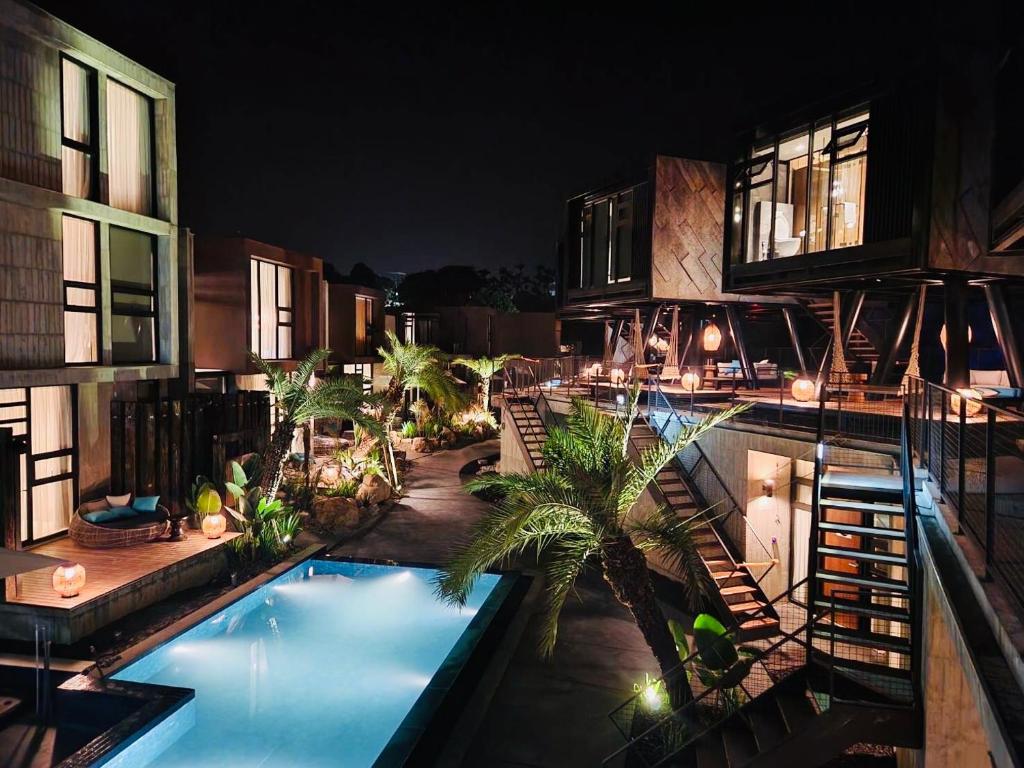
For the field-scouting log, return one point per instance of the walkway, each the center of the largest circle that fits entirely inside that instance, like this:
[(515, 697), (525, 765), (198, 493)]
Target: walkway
[(543, 713)]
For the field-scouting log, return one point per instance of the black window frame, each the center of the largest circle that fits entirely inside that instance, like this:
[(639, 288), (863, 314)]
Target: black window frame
[(79, 309), (278, 308), (151, 104), (133, 290), (366, 348), (365, 370), (92, 149)]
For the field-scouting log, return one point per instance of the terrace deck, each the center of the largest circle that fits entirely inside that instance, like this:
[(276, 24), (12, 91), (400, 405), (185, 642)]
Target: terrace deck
[(118, 581)]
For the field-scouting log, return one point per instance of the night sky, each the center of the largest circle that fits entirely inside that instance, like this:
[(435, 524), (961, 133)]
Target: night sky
[(410, 139)]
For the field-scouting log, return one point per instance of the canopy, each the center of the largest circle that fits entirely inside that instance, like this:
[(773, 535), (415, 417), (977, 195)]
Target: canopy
[(13, 562), (672, 355)]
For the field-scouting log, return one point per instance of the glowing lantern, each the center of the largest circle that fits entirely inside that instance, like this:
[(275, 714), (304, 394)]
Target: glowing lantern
[(690, 381), (802, 389), (712, 337), (942, 335), (971, 397), (214, 525), (68, 579)]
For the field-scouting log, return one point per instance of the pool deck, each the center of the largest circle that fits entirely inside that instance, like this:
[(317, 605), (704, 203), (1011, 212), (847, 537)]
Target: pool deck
[(600, 652)]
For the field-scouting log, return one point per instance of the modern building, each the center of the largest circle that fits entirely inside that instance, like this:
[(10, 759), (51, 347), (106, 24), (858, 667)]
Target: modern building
[(92, 261), (355, 330), (486, 332)]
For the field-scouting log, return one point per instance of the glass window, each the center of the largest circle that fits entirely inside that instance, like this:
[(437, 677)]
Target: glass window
[(364, 326), (133, 290), (360, 369), (271, 310), (606, 240), (81, 298), (129, 149), (78, 128), (802, 192)]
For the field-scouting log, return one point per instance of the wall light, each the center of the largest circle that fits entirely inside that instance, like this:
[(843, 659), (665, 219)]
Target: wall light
[(768, 487)]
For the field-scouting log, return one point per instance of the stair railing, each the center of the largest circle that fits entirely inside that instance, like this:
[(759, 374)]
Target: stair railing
[(755, 673), (521, 384)]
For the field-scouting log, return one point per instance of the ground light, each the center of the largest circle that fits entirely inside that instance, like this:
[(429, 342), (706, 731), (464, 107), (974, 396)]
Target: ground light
[(68, 579), (971, 396), (802, 389)]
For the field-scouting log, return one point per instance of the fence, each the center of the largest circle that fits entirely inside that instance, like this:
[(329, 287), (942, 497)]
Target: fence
[(159, 446)]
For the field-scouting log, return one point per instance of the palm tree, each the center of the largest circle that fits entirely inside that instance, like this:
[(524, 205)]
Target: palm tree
[(297, 403), (414, 366), (580, 510), (485, 368)]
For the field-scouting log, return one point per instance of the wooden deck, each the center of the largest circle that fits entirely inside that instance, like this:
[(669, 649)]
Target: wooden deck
[(118, 582)]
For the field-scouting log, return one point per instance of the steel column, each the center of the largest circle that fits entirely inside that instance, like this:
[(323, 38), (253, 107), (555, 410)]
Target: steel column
[(852, 314), (736, 331), (889, 355), (794, 337), (957, 347), (1005, 336)]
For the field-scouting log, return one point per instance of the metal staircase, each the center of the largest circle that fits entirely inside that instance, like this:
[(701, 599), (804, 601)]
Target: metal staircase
[(529, 410), (859, 347)]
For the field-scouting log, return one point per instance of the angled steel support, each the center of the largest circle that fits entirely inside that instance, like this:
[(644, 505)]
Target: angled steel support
[(736, 331), (1005, 336), (851, 316), (889, 355), (794, 337)]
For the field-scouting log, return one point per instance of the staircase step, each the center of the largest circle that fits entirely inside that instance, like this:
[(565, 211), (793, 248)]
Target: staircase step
[(862, 638), (876, 508), (709, 752), (856, 554), (760, 623), (794, 705), (861, 530), (873, 487), (739, 742), (748, 606), (861, 581), (873, 610), (739, 589), (766, 723)]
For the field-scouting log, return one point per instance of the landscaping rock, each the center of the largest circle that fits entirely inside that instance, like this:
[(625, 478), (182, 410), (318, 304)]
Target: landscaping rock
[(373, 490), (419, 444), (447, 436), (335, 512)]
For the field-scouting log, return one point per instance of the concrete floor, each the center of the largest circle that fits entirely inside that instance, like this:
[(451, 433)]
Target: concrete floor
[(543, 713)]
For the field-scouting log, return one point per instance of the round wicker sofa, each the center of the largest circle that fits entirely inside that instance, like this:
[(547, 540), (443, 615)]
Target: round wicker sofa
[(148, 526)]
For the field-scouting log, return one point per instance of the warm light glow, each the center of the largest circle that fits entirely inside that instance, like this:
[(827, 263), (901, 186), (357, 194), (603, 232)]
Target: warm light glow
[(712, 337), (802, 389), (768, 487), (972, 398), (942, 335), (68, 579), (651, 698), (214, 525), (690, 381)]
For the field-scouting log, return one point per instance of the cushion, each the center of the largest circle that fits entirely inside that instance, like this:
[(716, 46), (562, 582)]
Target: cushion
[(145, 503), (119, 501), (92, 506), (109, 515), (138, 520), (990, 378)]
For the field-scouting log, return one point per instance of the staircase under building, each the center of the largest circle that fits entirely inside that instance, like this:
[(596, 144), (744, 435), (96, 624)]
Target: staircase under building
[(859, 347)]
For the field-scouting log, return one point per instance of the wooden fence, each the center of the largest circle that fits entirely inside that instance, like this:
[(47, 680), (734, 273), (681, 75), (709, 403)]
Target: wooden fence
[(159, 446)]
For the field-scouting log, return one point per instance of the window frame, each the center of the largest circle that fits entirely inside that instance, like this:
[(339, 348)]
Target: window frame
[(360, 369), (92, 149), (97, 307), (277, 309), (151, 106), (153, 293), (366, 348)]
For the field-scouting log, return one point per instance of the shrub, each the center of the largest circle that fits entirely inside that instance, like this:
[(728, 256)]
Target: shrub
[(409, 429), (345, 488)]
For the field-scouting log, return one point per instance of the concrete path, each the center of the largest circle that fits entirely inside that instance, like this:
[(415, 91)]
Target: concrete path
[(543, 713)]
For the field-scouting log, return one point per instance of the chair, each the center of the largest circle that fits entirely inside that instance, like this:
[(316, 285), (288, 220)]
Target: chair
[(669, 373), (142, 528)]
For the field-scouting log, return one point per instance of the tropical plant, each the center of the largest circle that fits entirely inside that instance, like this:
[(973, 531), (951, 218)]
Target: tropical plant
[(580, 509), (408, 430), (262, 522), (298, 402), (719, 663), (193, 499), (345, 488), (485, 368)]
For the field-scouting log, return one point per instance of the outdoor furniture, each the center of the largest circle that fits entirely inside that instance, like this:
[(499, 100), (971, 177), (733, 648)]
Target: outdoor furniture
[(766, 371), (126, 532), (994, 386), (669, 373)]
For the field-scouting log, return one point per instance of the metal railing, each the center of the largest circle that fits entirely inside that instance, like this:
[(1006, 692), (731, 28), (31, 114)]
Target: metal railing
[(974, 452)]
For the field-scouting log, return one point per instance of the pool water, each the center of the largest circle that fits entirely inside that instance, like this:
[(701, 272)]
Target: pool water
[(316, 668)]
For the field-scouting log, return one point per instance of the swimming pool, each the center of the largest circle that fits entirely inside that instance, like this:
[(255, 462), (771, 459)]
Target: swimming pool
[(319, 667)]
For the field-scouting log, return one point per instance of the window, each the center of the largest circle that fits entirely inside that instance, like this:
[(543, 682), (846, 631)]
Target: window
[(606, 240), (801, 192), (129, 149), (133, 309), (360, 369), (45, 417), (78, 154), (81, 297), (364, 325), (270, 303)]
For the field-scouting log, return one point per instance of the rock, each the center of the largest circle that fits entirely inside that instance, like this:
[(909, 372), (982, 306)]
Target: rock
[(419, 444), (334, 512), (447, 436), (445, 444), (373, 490)]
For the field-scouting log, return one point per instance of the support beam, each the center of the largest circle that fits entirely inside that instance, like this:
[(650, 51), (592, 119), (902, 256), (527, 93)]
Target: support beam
[(957, 346), (852, 316), (794, 337), (686, 331), (885, 365), (736, 332), (1005, 336)]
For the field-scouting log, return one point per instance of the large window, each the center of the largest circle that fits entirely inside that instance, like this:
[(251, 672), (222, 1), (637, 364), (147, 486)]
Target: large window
[(364, 370), (606, 240), (78, 154), (270, 303), (133, 290), (81, 297), (801, 192), (364, 325), (45, 417), (129, 149)]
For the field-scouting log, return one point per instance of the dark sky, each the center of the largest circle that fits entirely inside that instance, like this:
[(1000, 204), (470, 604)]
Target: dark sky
[(409, 139)]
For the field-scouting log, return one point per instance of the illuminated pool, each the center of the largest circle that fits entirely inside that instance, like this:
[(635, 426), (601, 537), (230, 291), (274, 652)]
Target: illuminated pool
[(320, 667)]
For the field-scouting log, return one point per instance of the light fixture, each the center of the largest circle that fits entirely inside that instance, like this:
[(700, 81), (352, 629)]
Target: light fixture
[(768, 487), (214, 525), (690, 381), (971, 397), (712, 337), (942, 335), (620, 399), (653, 341), (68, 579), (802, 389)]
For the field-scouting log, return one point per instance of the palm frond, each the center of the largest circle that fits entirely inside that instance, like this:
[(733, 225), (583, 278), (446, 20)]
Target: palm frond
[(673, 538), (563, 566), (306, 368)]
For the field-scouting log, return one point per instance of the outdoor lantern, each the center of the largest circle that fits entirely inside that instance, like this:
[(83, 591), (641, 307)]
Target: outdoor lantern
[(768, 487), (803, 389), (712, 337), (68, 579), (971, 396), (690, 381), (942, 335), (214, 525)]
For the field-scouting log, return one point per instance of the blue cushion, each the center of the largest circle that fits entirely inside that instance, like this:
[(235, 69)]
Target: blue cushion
[(106, 515), (145, 503)]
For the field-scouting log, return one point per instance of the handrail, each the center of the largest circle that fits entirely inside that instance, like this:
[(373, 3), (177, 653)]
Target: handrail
[(531, 429)]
